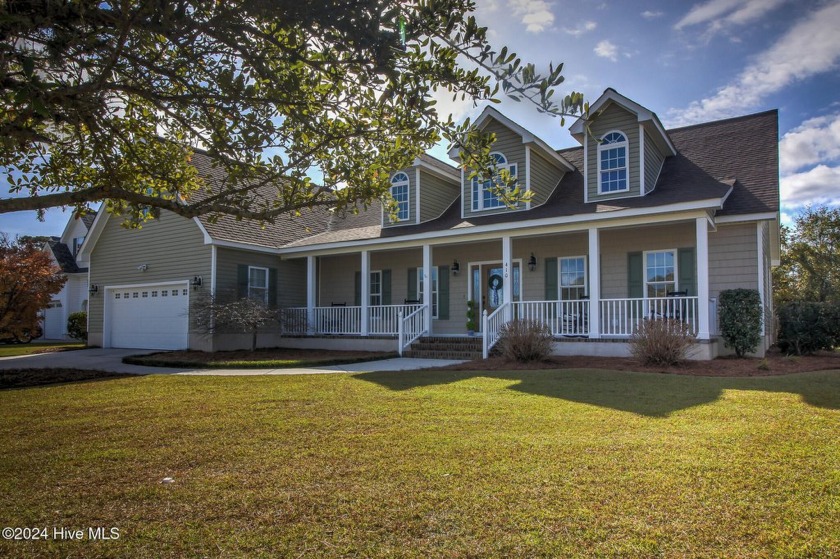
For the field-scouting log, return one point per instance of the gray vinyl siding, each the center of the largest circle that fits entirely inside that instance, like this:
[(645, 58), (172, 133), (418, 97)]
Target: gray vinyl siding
[(436, 194), (614, 118), (550, 246), (336, 276), (544, 178), (510, 145), (617, 243), (653, 163), (172, 247), (227, 264), (412, 198), (733, 258)]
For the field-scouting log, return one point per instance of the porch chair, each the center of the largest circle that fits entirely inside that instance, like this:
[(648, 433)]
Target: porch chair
[(677, 310)]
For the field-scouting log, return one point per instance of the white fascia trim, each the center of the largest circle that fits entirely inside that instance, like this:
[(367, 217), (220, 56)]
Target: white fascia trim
[(244, 246), (93, 234), (213, 263), (147, 284), (416, 194), (208, 240), (464, 193), (759, 237), (528, 174), (586, 167), (492, 231), (746, 217), (440, 173), (641, 160)]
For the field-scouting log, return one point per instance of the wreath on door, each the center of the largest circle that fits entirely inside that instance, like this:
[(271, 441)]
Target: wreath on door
[(495, 284)]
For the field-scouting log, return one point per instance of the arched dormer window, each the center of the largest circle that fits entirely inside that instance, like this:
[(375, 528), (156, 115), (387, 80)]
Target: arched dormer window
[(399, 191), (483, 197), (612, 163)]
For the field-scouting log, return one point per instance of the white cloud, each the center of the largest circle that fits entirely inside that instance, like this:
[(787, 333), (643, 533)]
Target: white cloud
[(720, 14), (606, 49), (650, 14), (810, 47), (581, 28), (814, 141), (816, 186), (535, 14)]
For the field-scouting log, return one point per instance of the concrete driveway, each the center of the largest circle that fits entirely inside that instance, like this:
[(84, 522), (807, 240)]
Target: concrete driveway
[(99, 359)]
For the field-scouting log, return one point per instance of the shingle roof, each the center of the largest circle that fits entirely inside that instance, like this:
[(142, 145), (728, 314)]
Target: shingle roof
[(64, 257), (88, 218), (740, 154)]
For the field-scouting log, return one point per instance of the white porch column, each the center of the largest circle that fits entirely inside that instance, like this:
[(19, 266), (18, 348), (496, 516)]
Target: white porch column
[(364, 295), (703, 278), (507, 282), (594, 283), (311, 290), (427, 287)]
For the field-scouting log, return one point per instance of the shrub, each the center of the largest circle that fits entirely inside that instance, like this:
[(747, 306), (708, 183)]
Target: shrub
[(806, 327), (525, 340), (661, 342), (77, 325), (740, 319)]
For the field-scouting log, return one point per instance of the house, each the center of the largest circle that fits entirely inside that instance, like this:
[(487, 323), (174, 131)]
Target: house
[(638, 223), (73, 297)]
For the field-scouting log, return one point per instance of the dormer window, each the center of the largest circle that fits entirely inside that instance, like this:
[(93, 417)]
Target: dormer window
[(399, 191), (483, 197), (612, 163)]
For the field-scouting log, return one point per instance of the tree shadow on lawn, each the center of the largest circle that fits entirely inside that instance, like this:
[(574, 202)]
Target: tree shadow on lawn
[(647, 394)]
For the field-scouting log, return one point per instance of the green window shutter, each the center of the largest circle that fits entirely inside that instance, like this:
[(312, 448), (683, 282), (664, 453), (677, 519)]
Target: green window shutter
[(552, 293), (443, 292), (687, 273), (242, 281), (412, 284), (635, 275), (386, 287), (357, 297), (272, 288)]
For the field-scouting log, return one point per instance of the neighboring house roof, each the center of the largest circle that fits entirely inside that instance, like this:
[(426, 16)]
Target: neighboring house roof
[(88, 219), (64, 257), (734, 160)]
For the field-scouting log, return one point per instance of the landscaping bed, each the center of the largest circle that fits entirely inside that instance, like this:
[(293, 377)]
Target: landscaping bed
[(22, 378), (774, 363), (275, 358)]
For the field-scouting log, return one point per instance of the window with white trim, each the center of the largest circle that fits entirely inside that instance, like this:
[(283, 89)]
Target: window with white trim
[(572, 278), (612, 163), (375, 288), (660, 273), (435, 292), (483, 197), (399, 191), (258, 284)]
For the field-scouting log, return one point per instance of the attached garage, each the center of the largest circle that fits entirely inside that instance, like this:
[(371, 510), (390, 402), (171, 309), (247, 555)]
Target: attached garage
[(153, 316)]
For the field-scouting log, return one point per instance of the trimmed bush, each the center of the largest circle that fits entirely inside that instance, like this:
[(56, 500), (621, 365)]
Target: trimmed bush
[(525, 340), (806, 327), (77, 325), (661, 342), (740, 319)]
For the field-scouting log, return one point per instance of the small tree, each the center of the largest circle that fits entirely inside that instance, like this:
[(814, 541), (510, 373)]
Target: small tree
[(224, 315), (77, 325), (28, 280), (740, 319)]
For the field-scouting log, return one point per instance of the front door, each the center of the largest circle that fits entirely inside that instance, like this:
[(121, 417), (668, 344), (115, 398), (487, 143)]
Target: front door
[(487, 286)]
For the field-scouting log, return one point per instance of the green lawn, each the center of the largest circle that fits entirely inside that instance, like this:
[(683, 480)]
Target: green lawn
[(12, 350), (428, 464)]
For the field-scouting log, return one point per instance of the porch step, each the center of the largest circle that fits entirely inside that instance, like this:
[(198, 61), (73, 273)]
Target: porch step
[(465, 349)]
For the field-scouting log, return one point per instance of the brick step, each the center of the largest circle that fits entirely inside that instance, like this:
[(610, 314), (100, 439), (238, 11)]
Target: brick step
[(433, 354), (431, 346)]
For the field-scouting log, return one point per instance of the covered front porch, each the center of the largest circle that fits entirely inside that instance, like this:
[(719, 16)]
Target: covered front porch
[(597, 283)]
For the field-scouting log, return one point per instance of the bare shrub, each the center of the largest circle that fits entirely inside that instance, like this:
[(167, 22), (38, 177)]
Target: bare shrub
[(525, 340), (662, 342)]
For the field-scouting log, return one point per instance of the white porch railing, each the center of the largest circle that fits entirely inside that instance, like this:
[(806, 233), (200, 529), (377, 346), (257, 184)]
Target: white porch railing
[(383, 320), (564, 318), (411, 326), (621, 317), (491, 328)]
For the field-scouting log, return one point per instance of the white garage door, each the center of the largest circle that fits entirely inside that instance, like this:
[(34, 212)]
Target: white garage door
[(152, 316)]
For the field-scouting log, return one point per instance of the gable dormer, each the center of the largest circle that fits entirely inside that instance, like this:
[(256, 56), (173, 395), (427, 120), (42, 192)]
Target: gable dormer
[(624, 147), (537, 167), (422, 191)]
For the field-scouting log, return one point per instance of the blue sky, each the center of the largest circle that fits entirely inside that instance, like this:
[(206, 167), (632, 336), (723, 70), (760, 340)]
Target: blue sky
[(689, 62)]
